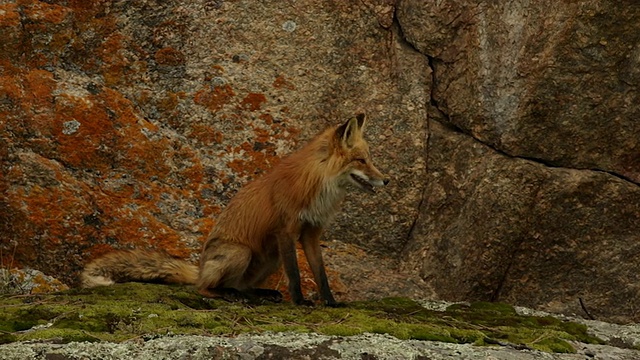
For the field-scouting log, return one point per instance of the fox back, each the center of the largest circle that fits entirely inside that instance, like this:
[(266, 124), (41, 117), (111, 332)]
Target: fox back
[(306, 187), (294, 202)]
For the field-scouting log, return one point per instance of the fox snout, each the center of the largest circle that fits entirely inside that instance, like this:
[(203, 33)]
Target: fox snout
[(379, 181), (368, 182), (354, 151)]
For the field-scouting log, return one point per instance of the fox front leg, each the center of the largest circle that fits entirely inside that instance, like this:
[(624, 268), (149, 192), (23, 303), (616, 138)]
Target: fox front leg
[(310, 240), (287, 249)]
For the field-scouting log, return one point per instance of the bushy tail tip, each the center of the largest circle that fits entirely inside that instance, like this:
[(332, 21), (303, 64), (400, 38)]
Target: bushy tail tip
[(139, 266)]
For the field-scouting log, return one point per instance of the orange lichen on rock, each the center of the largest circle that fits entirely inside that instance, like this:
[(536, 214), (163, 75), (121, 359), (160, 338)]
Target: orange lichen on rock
[(207, 134), (253, 101), (56, 209), (256, 162), (215, 71), (115, 63), (170, 101), (83, 131), (170, 57), (129, 221), (214, 99), (262, 135), (39, 11), (87, 11), (9, 15), (10, 89), (12, 35), (282, 82), (48, 206), (38, 87), (267, 118), (192, 175), (134, 145), (30, 281), (43, 284), (98, 250)]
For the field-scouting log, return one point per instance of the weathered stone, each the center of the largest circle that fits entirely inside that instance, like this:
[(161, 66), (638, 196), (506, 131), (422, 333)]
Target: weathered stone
[(131, 124), (297, 346), (497, 228), (555, 81), (28, 281)]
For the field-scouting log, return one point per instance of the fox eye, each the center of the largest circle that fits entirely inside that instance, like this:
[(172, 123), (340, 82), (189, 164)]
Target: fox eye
[(361, 161)]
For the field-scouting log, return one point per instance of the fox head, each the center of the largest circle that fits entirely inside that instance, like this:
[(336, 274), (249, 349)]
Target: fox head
[(353, 157)]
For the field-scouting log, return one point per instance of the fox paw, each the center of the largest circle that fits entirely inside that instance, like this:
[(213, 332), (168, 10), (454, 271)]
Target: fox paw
[(304, 302), (232, 295), (335, 304), (266, 295)]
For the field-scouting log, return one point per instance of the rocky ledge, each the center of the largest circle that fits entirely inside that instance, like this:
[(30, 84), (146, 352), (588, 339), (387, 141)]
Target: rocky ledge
[(146, 321), (294, 346)]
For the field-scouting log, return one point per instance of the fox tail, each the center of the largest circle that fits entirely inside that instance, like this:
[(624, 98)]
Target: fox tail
[(140, 266)]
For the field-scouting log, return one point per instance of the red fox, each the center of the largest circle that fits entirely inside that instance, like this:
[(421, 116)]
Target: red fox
[(258, 229)]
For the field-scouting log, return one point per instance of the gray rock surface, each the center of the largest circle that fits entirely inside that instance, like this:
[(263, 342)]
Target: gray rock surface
[(547, 80), (498, 228), (294, 346), (131, 124), (620, 343), (533, 190)]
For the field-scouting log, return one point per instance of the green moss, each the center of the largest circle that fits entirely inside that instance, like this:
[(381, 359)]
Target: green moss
[(467, 336), (7, 338), (430, 336), (555, 345), (126, 311), (394, 305), (493, 308), (339, 330), (60, 335)]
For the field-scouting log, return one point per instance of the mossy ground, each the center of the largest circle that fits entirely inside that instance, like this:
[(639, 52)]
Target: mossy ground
[(128, 311)]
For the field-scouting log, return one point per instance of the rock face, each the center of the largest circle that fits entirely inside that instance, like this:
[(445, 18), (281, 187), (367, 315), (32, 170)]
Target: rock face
[(532, 194), (296, 347), (497, 228), (131, 124), (546, 80)]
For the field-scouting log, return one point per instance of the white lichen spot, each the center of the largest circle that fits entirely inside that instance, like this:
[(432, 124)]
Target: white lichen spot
[(70, 127), (218, 81), (289, 26)]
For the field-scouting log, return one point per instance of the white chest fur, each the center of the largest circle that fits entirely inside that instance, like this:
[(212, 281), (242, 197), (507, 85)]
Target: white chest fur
[(325, 205)]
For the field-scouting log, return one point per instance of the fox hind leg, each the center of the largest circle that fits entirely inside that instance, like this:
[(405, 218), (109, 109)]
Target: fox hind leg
[(256, 275), (259, 270), (227, 271), (222, 266)]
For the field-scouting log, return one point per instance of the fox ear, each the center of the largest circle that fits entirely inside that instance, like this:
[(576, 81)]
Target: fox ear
[(348, 131), (362, 120)]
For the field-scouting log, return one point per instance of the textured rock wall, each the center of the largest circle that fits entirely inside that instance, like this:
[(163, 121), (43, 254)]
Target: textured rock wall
[(132, 123), (533, 177), (547, 80)]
